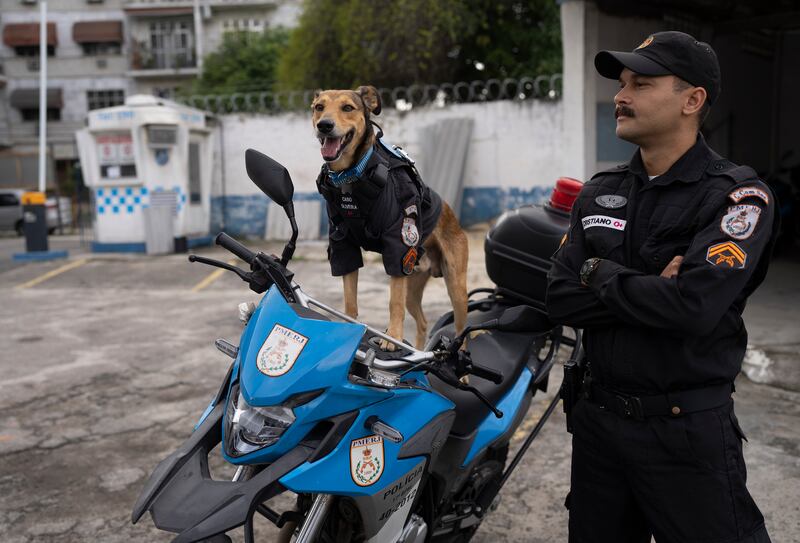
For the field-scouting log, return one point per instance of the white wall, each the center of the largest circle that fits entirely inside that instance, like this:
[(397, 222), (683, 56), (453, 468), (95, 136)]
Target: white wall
[(515, 155), (514, 144)]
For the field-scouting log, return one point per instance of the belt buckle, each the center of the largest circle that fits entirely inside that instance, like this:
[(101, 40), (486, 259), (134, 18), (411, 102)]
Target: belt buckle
[(631, 407)]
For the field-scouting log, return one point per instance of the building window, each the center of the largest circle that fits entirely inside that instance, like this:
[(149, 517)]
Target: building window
[(97, 99), (33, 51), (244, 25), (93, 49), (172, 44), (32, 114)]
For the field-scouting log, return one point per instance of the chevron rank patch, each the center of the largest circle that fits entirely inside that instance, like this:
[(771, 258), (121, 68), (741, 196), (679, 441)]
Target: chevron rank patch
[(740, 221), (749, 192), (726, 255)]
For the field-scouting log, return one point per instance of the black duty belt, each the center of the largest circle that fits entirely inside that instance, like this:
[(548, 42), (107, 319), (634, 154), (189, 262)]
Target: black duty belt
[(672, 404)]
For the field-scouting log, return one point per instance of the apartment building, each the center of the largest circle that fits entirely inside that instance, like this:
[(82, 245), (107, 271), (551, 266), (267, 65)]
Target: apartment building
[(99, 52)]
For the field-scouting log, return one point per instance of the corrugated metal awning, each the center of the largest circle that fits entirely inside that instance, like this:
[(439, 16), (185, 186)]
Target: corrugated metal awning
[(97, 32), (29, 98), (27, 34)]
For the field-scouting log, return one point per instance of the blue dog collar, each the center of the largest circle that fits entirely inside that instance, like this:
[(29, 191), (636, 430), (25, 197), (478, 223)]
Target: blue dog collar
[(351, 174)]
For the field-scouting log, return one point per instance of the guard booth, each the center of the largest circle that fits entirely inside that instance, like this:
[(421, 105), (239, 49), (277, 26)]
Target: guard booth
[(139, 158)]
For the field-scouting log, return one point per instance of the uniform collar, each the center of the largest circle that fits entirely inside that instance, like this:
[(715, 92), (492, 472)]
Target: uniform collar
[(688, 168), (352, 174)]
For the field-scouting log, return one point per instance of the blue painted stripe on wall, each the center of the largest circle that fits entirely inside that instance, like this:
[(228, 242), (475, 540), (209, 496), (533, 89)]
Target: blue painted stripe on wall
[(247, 215), (481, 204)]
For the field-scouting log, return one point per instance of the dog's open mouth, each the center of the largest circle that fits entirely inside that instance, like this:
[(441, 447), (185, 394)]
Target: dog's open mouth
[(332, 147)]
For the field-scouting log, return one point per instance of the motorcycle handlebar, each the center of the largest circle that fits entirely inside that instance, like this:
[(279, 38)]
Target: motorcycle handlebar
[(227, 242), (486, 373)]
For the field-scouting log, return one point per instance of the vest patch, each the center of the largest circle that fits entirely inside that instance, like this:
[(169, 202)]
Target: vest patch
[(605, 222)]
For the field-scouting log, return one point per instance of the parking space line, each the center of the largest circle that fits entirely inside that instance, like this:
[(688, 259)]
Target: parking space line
[(53, 273), (211, 277)]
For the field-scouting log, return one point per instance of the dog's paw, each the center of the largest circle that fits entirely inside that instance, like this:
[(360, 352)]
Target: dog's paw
[(387, 345)]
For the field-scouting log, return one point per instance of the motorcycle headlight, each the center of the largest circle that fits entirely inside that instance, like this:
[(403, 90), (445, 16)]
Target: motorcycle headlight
[(249, 428)]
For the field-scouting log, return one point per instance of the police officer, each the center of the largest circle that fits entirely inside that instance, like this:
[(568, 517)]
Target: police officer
[(658, 263)]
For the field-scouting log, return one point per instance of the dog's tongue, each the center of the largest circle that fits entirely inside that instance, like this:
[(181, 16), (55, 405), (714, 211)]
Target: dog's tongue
[(330, 147)]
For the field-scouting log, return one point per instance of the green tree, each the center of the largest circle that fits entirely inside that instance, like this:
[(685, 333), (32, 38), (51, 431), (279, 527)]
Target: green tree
[(511, 38), (245, 61), (387, 43), (342, 43)]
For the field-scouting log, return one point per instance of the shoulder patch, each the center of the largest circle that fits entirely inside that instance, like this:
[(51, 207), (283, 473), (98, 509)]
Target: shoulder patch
[(750, 191), (727, 255), (740, 221)]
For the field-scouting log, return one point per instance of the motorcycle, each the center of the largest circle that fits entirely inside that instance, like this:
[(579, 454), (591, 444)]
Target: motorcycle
[(406, 446)]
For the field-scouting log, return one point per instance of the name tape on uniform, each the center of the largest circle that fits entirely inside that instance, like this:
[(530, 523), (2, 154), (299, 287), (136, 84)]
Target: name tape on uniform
[(605, 222), (748, 192)]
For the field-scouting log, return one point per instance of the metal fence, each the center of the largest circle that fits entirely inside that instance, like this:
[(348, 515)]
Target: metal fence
[(543, 87)]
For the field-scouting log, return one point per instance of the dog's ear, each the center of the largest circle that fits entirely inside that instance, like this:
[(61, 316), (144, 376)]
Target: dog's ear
[(371, 98), (316, 95)]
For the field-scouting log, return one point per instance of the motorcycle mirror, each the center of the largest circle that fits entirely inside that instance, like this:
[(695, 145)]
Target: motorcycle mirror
[(523, 318), (269, 176)]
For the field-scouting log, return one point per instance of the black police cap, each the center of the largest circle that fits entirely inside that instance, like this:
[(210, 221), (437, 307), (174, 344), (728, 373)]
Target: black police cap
[(665, 53)]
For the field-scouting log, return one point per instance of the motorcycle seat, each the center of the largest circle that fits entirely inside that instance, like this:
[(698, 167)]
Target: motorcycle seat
[(506, 352)]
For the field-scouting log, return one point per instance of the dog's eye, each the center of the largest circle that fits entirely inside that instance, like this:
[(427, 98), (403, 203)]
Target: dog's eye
[(319, 107), (347, 107)]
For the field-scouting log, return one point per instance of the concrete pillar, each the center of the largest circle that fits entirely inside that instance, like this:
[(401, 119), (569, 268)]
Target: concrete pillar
[(579, 32)]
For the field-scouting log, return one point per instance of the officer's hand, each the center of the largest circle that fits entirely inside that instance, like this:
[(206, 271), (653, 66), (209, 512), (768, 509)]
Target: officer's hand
[(671, 270)]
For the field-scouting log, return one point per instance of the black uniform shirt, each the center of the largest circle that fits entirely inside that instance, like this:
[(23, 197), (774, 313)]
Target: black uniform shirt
[(398, 218), (649, 334)]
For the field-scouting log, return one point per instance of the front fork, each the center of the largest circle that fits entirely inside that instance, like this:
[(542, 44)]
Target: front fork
[(315, 519)]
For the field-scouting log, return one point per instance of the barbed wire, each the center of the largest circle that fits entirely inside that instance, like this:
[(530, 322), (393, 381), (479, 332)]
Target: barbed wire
[(543, 87)]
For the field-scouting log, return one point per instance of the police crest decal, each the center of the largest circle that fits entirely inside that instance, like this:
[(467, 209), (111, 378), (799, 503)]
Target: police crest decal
[(740, 221), (280, 351), (366, 460)]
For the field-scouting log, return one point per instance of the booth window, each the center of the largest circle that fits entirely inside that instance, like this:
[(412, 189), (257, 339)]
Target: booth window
[(115, 155), (97, 99), (194, 173)]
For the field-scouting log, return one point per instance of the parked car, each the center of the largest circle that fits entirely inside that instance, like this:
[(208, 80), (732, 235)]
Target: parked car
[(11, 211)]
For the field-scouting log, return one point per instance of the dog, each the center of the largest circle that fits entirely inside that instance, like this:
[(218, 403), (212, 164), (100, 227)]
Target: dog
[(342, 123)]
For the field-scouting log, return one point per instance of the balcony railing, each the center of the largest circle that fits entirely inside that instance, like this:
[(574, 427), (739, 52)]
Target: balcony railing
[(147, 58)]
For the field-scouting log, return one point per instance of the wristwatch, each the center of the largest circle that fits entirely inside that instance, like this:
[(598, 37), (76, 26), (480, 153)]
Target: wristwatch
[(587, 268)]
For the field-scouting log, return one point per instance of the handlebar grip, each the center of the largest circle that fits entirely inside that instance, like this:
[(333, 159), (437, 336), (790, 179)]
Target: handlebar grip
[(227, 242), (486, 373)]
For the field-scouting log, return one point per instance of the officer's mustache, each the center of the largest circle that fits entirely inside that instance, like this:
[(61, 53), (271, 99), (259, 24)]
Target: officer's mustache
[(623, 110)]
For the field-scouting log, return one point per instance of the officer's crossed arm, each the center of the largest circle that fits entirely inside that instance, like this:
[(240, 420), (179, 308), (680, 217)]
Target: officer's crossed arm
[(715, 269), (568, 301)]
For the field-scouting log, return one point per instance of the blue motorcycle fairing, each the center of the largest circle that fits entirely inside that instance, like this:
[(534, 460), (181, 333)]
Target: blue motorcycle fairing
[(323, 363), (492, 427), (407, 410), (324, 360)]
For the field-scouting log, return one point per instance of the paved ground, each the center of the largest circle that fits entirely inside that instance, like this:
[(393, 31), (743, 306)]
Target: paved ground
[(106, 366)]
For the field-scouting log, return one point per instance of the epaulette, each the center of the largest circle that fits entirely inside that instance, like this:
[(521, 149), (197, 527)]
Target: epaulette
[(616, 169), (725, 168)]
